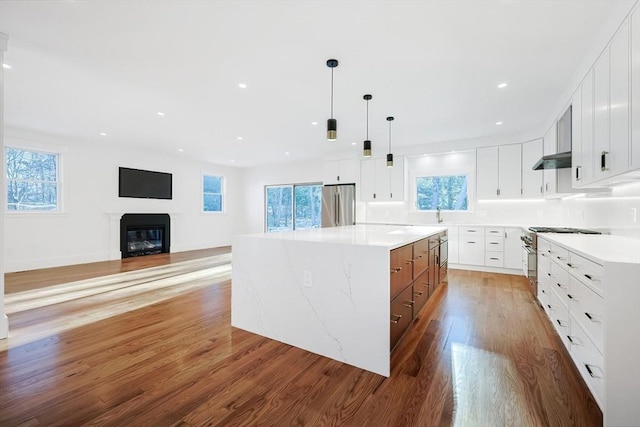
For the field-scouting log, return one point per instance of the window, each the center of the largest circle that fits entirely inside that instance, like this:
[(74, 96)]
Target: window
[(32, 180), (289, 207), (212, 193), (441, 192)]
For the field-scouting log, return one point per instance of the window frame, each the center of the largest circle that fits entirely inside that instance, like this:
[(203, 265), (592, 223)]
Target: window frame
[(414, 192), (293, 203), (223, 194), (38, 148), (450, 166)]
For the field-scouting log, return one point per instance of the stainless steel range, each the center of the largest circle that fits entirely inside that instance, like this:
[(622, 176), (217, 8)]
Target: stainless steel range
[(530, 249)]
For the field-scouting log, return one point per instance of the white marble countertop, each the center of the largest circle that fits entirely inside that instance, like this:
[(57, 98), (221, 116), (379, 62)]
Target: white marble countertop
[(388, 236), (601, 247)]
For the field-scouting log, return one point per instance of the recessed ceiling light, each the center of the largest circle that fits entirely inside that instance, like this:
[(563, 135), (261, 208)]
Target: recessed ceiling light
[(160, 113), (232, 161), (103, 133), (314, 123), (180, 150), (498, 123), (286, 152), (239, 138), (353, 143), (7, 66), (242, 85), (502, 85)]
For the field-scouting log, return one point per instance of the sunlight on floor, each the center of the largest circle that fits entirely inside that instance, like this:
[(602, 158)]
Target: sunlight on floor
[(76, 304), (487, 389)]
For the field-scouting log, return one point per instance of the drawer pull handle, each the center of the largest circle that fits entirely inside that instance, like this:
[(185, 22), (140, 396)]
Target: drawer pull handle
[(409, 304), (494, 243), (497, 259), (550, 307), (591, 371), (570, 296), (544, 292), (561, 323), (397, 318), (419, 256), (396, 270), (470, 242), (409, 261), (570, 339), (418, 293), (590, 317), (588, 276), (570, 265), (560, 286)]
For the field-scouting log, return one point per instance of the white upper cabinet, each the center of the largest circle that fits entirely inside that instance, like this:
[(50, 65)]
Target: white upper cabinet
[(487, 173), (587, 162), (499, 172), (510, 171), (635, 89), (378, 183), (531, 180), (340, 172), (550, 146), (619, 102), (601, 117), (576, 138)]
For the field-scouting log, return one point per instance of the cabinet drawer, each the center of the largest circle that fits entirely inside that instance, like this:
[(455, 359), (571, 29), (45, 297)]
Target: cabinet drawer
[(543, 294), (588, 309), (401, 315), (471, 250), (587, 359), (494, 243), (494, 259), (558, 280), (401, 269), (494, 231), (559, 315), (544, 264), (421, 292), (587, 271), (471, 230), (559, 254), (420, 256)]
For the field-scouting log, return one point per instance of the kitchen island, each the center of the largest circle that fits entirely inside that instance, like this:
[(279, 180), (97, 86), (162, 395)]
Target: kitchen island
[(336, 291)]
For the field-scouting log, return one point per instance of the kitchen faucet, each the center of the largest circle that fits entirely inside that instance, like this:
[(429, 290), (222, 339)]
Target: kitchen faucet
[(438, 217)]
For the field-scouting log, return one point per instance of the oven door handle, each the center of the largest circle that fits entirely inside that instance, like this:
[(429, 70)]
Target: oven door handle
[(529, 250)]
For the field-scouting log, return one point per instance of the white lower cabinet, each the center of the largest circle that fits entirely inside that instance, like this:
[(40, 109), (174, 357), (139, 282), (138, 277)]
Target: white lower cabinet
[(471, 245), (453, 245), (593, 306)]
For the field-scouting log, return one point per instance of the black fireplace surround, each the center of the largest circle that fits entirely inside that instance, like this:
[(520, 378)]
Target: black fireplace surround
[(144, 234)]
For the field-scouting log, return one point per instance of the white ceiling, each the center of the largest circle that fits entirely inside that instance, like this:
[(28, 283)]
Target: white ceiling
[(84, 67)]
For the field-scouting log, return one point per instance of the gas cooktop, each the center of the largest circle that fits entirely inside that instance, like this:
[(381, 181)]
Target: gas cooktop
[(563, 230)]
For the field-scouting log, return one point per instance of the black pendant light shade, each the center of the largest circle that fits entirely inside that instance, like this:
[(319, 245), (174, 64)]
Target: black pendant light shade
[(332, 124), (367, 143), (390, 155)]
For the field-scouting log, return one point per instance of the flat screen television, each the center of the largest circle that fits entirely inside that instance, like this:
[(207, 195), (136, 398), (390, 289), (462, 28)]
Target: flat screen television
[(144, 184)]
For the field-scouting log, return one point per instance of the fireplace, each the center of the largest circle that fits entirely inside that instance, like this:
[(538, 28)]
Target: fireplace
[(144, 234)]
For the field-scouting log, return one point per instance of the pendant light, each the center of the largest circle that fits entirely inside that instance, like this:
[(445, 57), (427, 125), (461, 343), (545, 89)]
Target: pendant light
[(332, 124), (367, 143), (390, 155)]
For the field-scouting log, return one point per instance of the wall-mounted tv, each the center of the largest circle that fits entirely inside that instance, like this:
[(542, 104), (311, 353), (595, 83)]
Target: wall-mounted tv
[(144, 184)]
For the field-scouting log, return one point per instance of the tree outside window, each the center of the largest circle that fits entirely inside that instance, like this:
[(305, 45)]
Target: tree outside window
[(212, 193), (442, 192), (32, 180)]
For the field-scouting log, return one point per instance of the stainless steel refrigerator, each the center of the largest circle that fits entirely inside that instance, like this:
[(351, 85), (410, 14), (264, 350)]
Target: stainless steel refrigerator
[(338, 205)]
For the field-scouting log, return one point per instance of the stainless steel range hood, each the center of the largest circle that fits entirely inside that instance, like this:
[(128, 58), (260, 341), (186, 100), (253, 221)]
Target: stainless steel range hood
[(554, 161)]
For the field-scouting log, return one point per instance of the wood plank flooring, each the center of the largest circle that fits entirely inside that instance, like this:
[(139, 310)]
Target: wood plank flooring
[(481, 353)]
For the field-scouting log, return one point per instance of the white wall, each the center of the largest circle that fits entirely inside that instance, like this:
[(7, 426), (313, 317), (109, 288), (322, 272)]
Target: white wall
[(87, 230)]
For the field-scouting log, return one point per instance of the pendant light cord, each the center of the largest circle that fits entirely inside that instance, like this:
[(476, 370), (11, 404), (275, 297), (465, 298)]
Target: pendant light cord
[(332, 92), (367, 119), (389, 136)]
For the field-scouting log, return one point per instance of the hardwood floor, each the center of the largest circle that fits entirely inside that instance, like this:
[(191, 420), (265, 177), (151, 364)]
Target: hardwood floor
[(481, 353)]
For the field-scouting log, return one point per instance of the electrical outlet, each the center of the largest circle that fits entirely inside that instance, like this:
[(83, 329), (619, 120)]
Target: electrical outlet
[(307, 280), (634, 215)]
